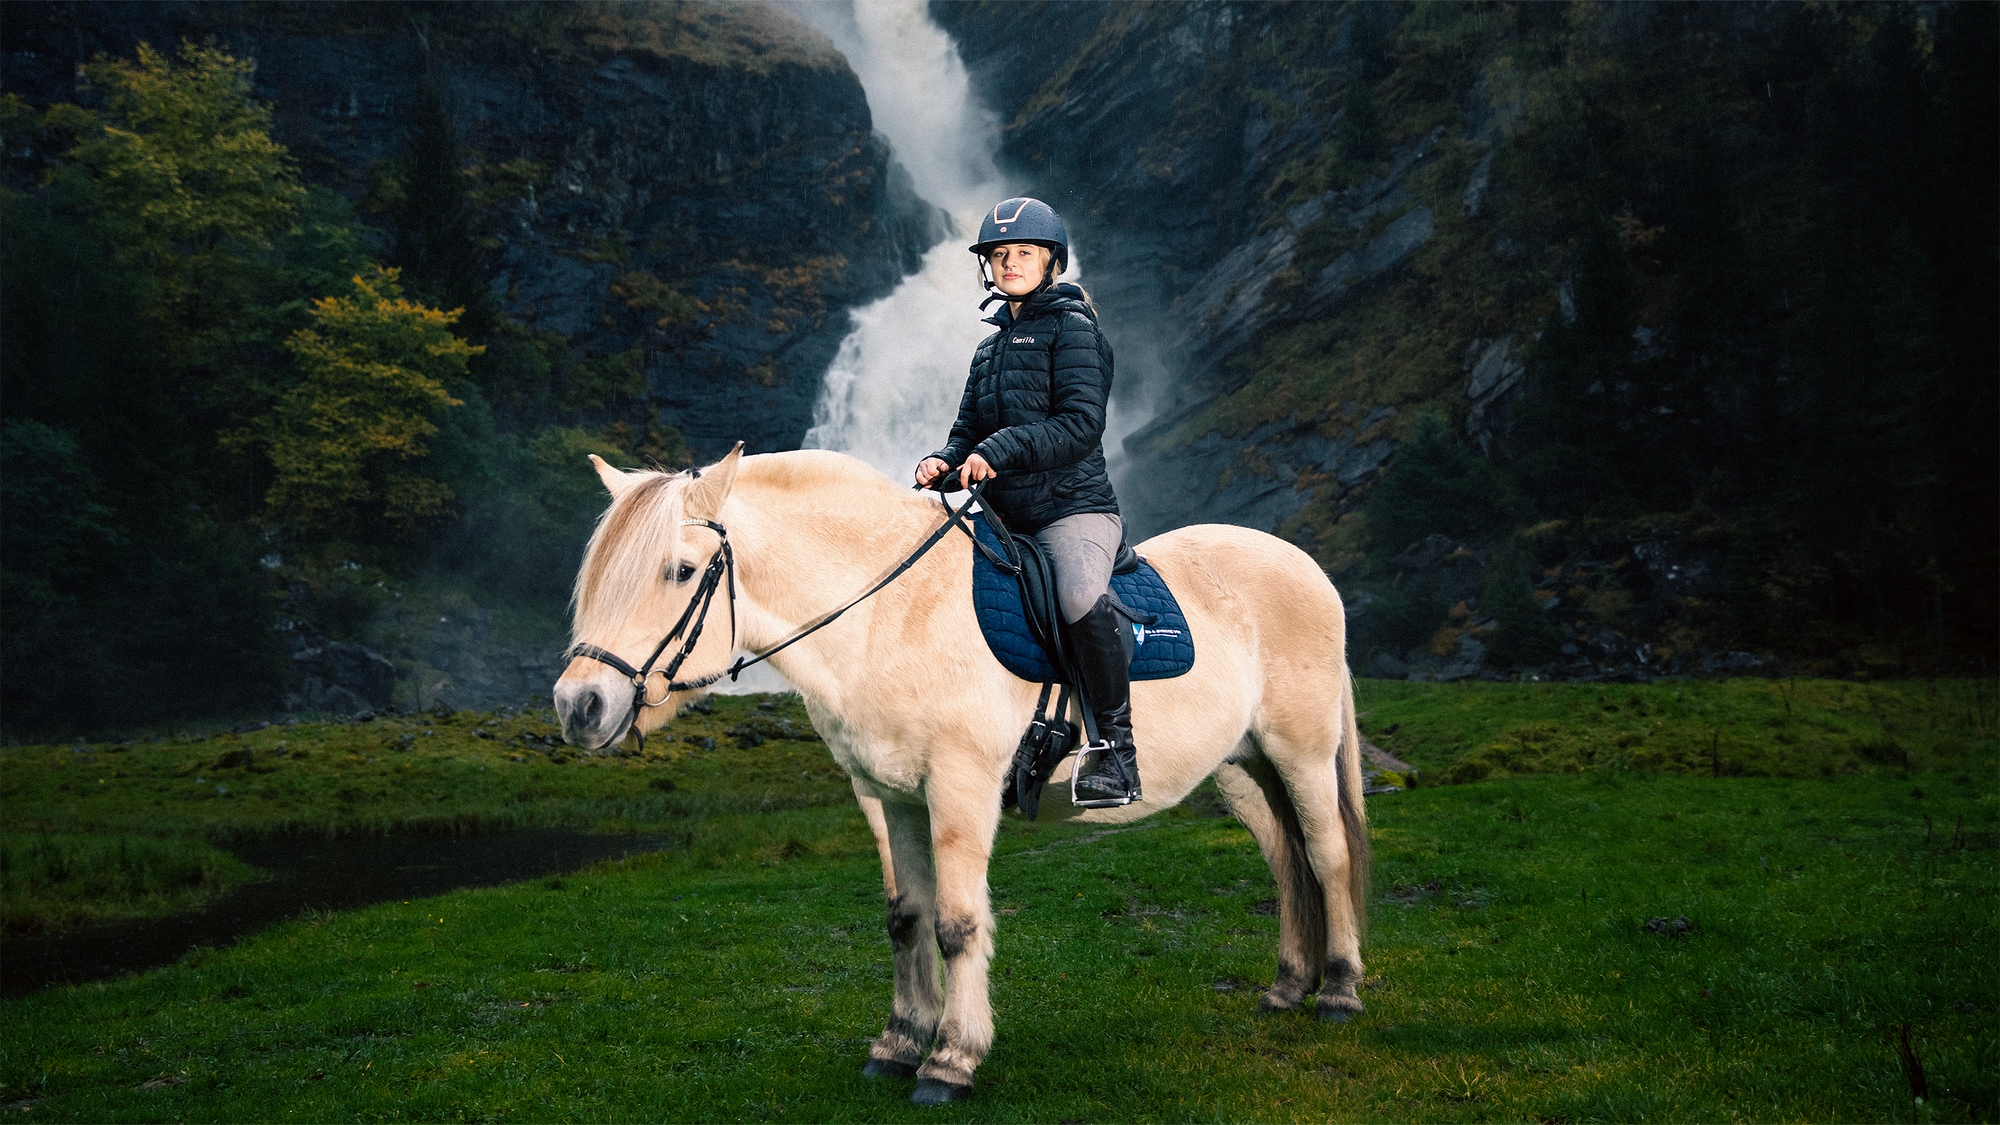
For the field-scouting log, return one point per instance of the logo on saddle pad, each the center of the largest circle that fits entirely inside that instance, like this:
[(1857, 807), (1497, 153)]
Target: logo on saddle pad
[(1140, 633)]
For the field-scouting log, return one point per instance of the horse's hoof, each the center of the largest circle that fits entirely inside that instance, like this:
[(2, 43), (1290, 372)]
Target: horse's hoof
[(930, 1091), (888, 1068), (1270, 1007), (1339, 1010)]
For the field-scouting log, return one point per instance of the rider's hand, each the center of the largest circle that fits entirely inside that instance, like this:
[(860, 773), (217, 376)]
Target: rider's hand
[(975, 469), (928, 470)]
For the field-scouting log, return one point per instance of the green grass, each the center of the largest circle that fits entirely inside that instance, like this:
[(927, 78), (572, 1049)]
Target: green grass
[(53, 882), (1755, 728), (108, 831), (740, 974), (457, 772), (1510, 976)]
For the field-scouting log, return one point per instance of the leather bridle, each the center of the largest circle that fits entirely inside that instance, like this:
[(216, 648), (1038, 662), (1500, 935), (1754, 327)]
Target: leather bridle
[(721, 568), (721, 565)]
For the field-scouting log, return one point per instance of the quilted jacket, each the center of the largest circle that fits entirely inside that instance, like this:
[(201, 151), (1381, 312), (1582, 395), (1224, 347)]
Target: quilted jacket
[(1034, 409)]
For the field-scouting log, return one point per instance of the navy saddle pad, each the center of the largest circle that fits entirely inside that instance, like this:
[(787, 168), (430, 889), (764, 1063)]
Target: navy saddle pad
[(1163, 650)]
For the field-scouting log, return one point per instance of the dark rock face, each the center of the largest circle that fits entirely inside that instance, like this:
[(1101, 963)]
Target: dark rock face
[(1179, 255), (757, 189), (342, 678)]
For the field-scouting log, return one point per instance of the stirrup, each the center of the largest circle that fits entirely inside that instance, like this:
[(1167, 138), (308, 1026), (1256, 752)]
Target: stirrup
[(1101, 746)]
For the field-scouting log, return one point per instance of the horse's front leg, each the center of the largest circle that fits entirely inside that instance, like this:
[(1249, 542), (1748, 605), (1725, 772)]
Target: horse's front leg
[(903, 835), (963, 821)]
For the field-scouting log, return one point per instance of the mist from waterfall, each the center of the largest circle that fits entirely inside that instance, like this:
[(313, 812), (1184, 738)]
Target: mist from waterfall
[(891, 393)]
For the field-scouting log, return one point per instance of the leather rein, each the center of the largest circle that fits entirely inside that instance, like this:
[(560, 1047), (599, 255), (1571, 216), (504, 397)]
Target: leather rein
[(722, 568)]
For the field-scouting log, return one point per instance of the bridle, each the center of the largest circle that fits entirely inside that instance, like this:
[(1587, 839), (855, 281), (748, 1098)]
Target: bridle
[(722, 567)]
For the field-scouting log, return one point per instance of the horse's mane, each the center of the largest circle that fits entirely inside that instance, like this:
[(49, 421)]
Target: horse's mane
[(634, 537), (641, 530)]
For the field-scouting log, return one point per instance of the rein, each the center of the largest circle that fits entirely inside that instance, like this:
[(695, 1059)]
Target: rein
[(722, 565)]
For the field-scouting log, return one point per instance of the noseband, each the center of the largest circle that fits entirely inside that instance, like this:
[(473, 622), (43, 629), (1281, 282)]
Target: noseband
[(722, 563)]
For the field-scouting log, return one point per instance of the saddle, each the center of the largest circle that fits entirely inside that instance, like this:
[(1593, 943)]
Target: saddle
[(1014, 592)]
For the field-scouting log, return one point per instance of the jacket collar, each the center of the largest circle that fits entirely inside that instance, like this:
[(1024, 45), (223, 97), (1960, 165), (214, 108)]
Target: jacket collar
[(1060, 297)]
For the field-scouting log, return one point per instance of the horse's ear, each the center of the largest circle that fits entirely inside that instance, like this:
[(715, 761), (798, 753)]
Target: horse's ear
[(616, 481), (711, 485)]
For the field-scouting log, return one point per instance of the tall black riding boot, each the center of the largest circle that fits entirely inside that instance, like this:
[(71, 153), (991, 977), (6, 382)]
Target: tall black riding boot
[(1102, 642)]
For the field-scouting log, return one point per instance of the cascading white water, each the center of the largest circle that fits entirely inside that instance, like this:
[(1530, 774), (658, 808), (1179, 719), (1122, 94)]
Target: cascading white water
[(892, 391)]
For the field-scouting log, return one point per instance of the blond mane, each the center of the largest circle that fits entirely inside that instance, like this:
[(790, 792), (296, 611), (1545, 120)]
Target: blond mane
[(640, 532), (633, 541)]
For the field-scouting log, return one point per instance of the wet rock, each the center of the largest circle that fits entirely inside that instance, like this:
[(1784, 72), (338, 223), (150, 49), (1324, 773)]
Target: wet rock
[(341, 678), (1670, 927), (1739, 664), (1495, 368)]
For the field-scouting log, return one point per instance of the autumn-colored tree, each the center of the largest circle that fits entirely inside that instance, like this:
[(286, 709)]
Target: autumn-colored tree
[(348, 440), (180, 163)]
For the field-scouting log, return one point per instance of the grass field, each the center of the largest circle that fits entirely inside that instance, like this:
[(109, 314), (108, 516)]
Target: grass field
[(1512, 972)]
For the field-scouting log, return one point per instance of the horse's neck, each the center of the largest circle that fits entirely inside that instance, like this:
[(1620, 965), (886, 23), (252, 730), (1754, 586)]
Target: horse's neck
[(800, 557)]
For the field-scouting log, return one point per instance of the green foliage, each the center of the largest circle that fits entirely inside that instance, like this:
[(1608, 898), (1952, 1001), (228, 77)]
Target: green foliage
[(1438, 486), (1359, 138), (1400, 617), (181, 163), (435, 224), (57, 529), (1524, 633), (374, 371), (51, 881)]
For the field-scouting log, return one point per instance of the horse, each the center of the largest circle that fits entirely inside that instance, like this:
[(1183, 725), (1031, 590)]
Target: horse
[(925, 720)]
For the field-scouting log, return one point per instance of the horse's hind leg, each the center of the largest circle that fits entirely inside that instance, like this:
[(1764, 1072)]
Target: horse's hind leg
[(1327, 802), (911, 885), (1257, 797)]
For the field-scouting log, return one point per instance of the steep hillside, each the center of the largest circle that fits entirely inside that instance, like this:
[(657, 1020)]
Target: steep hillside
[(1578, 340), (653, 215)]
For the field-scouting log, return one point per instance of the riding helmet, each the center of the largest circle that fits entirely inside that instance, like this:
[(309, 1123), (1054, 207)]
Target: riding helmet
[(1022, 219)]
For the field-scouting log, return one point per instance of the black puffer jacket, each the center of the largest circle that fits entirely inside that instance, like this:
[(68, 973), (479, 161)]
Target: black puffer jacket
[(1034, 409)]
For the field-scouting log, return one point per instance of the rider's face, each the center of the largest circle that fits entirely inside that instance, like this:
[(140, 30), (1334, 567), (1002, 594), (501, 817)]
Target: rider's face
[(1018, 267)]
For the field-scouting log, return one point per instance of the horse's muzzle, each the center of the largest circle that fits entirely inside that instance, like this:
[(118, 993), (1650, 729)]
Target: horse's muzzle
[(594, 713)]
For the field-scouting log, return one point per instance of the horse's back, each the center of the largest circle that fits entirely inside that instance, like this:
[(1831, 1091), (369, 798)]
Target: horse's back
[(1240, 574)]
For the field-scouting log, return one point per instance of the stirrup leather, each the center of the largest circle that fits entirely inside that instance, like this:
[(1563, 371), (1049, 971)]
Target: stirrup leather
[(1082, 755)]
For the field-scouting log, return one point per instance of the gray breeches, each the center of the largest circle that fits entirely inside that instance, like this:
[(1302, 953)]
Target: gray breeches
[(1083, 548)]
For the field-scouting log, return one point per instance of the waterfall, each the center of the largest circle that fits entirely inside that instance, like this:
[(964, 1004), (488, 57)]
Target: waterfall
[(891, 393)]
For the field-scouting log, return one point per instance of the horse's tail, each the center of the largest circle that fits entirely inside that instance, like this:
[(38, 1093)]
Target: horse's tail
[(1353, 811)]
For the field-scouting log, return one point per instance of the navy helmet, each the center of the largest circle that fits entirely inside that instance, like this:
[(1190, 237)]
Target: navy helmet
[(1022, 219)]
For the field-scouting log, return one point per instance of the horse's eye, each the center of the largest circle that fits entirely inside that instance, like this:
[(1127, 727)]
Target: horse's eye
[(683, 572)]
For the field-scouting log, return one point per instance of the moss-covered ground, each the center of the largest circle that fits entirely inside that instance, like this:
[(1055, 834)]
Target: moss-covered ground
[(1614, 944)]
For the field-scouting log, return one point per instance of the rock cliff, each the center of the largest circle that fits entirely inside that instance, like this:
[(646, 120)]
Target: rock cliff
[(1318, 231), (696, 190)]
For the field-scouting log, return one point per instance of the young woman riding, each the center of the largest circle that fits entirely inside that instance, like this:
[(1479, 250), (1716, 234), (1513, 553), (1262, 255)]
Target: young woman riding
[(1032, 421)]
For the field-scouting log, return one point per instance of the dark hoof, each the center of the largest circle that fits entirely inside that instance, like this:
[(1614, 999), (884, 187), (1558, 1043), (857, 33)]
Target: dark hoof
[(1270, 1007), (932, 1092), (1339, 1013), (888, 1068)]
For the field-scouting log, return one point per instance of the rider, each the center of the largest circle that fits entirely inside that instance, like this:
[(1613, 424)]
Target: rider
[(1033, 417)]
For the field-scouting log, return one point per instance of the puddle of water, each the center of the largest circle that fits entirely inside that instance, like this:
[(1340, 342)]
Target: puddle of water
[(308, 874)]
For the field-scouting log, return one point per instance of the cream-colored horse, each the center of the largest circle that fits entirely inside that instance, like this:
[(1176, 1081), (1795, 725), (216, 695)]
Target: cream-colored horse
[(1268, 709)]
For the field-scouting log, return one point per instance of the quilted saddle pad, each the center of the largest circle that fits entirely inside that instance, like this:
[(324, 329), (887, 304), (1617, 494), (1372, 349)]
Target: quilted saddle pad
[(1161, 651)]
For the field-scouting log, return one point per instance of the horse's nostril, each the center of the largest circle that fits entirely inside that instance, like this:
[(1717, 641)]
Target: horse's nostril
[(590, 708)]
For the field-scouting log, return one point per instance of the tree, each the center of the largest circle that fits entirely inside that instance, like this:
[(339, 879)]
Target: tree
[(180, 164), (435, 240), (345, 441)]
